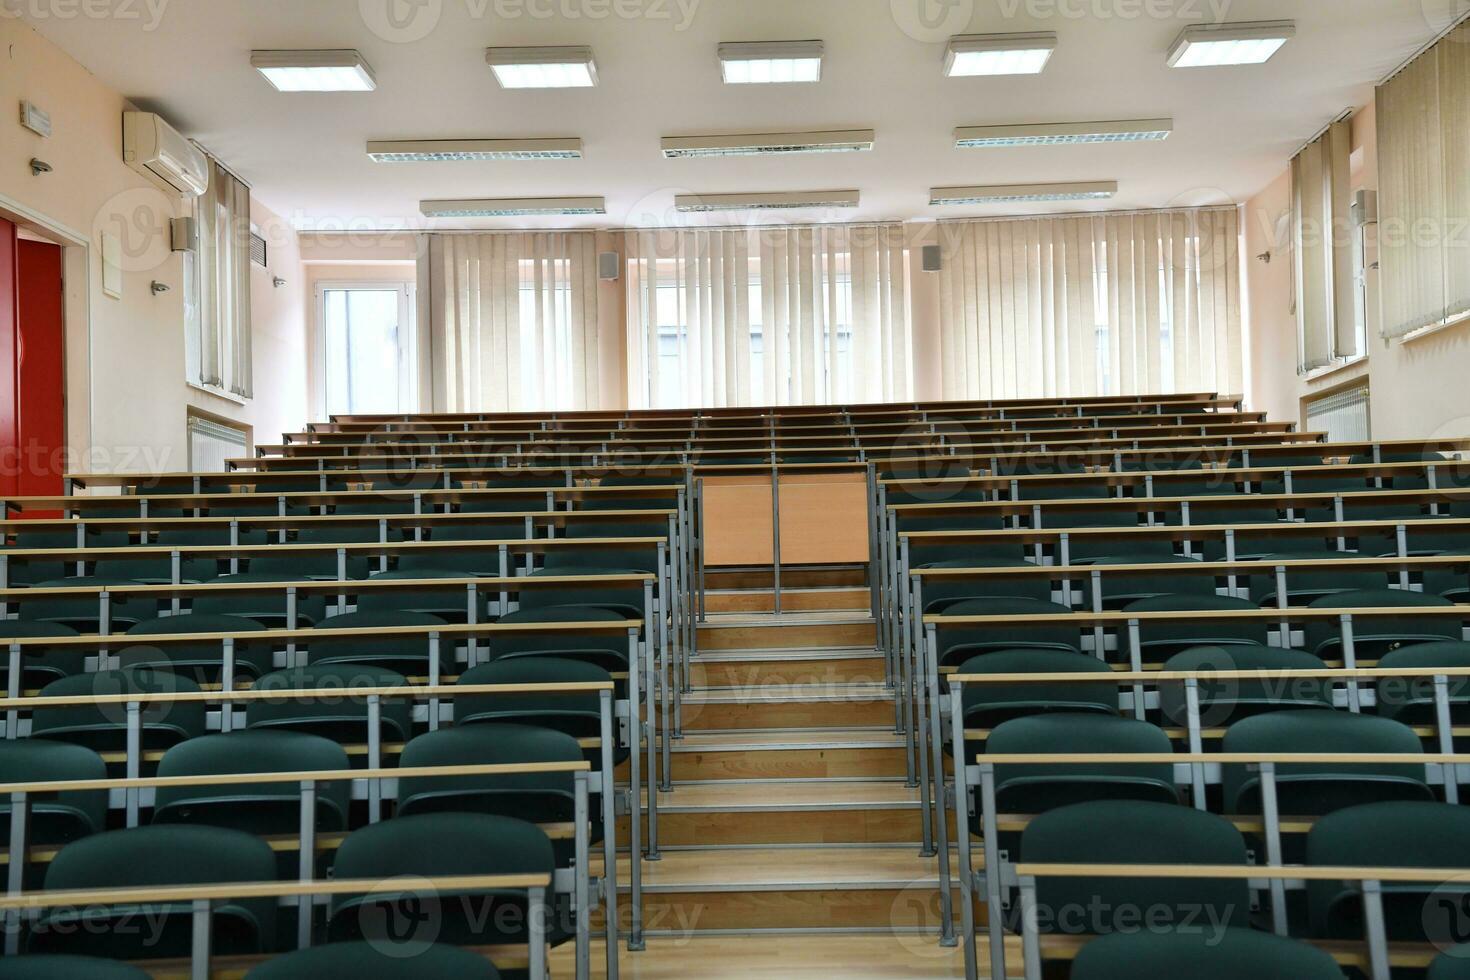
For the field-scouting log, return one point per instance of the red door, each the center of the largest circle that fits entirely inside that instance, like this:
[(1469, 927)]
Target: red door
[(40, 370), (10, 462)]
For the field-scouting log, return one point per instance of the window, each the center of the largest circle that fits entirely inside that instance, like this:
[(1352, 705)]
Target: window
[(546, 322), (367, 342), (1324, 250), (217, 288)]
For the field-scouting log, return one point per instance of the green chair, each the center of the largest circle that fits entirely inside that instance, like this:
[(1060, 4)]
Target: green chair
[(607, 650), (443, 845), (394, 496), (1452, 964), (1411, 699), (158, 569), (1314, 789), (64, 817), (381, 959), (1254, 535), (1396, 835), (340, 718), (1202, 954), (1091, 548), (578, 714), (940, 593), (925, 552), (406, 654), (959, 643), (321, 565), (642, 557), (103, 727), (1376, 636), (269, 608), (450, 603), (201, 660), (989, 705), (1039, 788), (1224, 701), (484, 562), (63, 967), (1304, 587), (32, 570), (1115, 591), (625, 600), (1062, 489), (1158, 641), (159, 857), (264, 808), (39, 666), (1136, 832), (83, 614)]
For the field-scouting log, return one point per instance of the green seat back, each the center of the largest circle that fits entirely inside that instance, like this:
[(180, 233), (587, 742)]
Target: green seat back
[(1224, 701), (81, 613), (381, 959), (1452, 964), (958, 643), (407, 654), (68, 968), (341, 718), (1203, 954), (1411, 699), (939, 593), (202, 660), (987, 705), (538, 797), (617, 602), (63, 817), (1115, 591), (1039, 788), (263, 808), (1313, 789), (104, 726), (450, 603), (39, 666), (1303, 587), (267, 608), (1375, 636)]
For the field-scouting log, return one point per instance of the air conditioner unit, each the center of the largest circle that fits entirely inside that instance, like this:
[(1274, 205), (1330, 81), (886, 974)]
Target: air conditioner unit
[(155, 149)]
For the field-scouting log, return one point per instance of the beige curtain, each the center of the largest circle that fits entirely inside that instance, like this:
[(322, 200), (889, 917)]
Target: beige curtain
[(827, 305), (1424, 188), (223, 284), (1096, 305), (513, 321), (1323, 251)]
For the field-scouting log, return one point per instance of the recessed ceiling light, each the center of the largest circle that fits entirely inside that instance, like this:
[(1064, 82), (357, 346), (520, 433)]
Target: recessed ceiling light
[(783, 201), (568, 67), (998, 194), (512, 207), (771, 62), (1212, 45), (843, 141), (1051, 134), (998, 54), (315, 71), (437, 151)]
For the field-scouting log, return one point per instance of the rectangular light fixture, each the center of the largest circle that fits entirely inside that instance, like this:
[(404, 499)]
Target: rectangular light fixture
[(1055, 134), (774, 144), (781, 201), (998, 54), (1003, 193), (1213, 45), (567, 67), (315, 71), (513, 207), (771, 62), (440, 151)]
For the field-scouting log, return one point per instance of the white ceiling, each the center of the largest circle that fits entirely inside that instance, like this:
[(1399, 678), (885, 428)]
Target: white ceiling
[(303, 153)]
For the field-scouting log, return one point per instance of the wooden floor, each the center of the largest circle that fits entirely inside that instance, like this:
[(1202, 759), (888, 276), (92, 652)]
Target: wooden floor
[(792, 957)]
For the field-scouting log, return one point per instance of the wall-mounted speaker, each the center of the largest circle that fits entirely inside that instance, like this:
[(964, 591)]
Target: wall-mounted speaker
[(933, 258), (183, 234), (608, 264)]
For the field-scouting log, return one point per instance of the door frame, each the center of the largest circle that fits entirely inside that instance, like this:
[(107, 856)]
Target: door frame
[(408, 348)]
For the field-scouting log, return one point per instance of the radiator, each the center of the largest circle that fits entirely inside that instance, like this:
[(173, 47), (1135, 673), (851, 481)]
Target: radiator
[(1343, 416), (211, 443)]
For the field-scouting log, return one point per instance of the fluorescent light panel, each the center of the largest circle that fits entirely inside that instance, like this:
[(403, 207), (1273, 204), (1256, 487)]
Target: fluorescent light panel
[(1214, 45), (998, 54), (564, 67), (766, 202), (439, 151), (315, 71), (775, 144), (512, 207), (1053, 134), (771, 62), (1000, 194)]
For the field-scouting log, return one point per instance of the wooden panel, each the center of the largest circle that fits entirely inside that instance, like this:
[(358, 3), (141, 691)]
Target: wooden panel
[(700, 716), (824, 519), (737, 520), (802, 763)]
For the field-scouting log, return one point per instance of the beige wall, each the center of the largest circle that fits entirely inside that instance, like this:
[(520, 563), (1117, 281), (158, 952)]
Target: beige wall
[(127, 399), (1418, 388)]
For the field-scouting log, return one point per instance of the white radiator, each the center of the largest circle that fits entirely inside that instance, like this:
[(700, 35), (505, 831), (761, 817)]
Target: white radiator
[(1343, 416), (211, 443)]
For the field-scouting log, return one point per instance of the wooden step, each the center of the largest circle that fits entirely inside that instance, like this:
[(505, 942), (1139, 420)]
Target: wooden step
[(850, 576), (788, 706), (794, 631), (792, 600), (745, 668), (811, 753), (778, 811)]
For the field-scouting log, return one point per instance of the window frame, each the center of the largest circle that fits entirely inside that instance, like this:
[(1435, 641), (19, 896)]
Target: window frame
[(407, 290)]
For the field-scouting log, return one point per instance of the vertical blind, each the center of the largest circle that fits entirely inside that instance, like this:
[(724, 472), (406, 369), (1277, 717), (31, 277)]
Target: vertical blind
[(773, 315), (219, 308), (513, 321), (1321, 194), (1424, 188), (1115, 304)]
